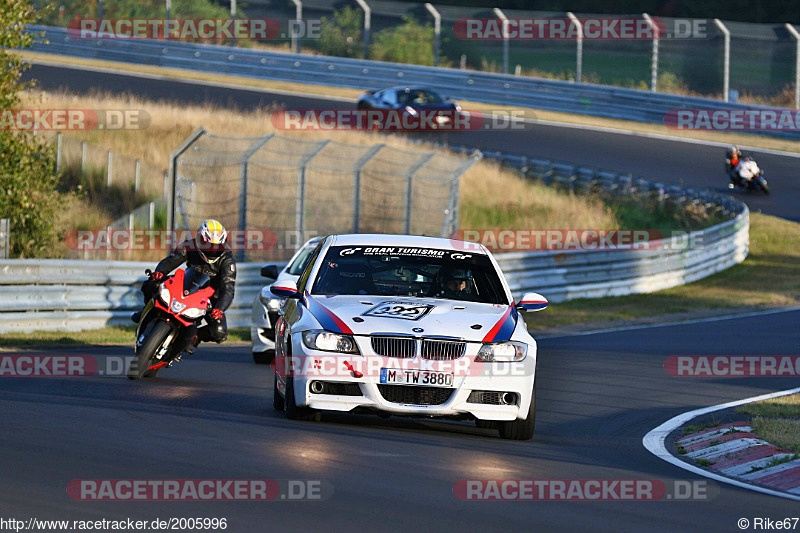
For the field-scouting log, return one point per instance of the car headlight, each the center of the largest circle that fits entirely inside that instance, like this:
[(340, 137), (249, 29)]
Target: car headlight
[(193, 312), (503, 352), (274, 304), (164, 294), (317, 339)]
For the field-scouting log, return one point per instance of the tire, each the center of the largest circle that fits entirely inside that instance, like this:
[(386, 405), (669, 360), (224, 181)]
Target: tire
[(290, 408), (520, 429), (277, 399), (155, 338), (764, 187), (485, 424), (263, 358)]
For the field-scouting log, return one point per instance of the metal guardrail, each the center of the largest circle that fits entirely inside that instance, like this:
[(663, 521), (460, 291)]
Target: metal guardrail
[(54, 294), (502, 89)]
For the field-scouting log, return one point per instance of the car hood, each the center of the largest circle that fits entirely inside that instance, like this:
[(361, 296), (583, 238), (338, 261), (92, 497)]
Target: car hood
[(421, 317)]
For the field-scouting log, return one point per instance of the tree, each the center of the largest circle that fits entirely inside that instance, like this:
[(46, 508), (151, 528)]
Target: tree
[(27, 177), (342, 35), (410, 42)]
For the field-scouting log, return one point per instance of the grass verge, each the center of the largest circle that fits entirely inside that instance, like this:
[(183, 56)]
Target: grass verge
[(107, 335), (321, 90), (776, 420)]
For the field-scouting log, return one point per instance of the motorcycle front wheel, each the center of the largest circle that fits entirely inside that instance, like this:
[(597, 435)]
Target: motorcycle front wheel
[(145, 355), (764, 186)]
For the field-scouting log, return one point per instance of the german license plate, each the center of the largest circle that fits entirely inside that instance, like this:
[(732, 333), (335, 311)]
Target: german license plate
[(396, 376)]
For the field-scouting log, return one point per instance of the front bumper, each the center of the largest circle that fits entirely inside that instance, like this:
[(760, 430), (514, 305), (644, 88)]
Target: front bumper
[(262, 324), (469, 375)]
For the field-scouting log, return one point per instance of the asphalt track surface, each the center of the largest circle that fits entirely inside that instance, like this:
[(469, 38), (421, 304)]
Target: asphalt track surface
[(694, 165), (211, 417)]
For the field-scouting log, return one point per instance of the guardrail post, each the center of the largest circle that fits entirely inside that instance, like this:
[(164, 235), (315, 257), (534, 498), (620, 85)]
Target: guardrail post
[(131, 226), (654, 62), (726, 72), (369, 154), (136, 177), (300, 209), (499, 14), (166, 22), (243, 178), (419, 163), (100, 9), (4, 238), (170, 179), (151, 215), (437, 32), (367, 25), (58, 151), (796, 36), (579, 47), (83, 158), (298, 21), (108, 180), (233, 17)]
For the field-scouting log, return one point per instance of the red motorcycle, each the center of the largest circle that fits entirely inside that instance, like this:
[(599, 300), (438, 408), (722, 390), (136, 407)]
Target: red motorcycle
[(169, 321)]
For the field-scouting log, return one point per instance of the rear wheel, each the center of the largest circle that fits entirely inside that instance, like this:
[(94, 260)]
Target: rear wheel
[(520, 429), (264, 358), (156, 334)]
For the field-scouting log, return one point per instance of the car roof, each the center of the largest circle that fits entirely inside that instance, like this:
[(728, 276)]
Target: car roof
[(411, 241)]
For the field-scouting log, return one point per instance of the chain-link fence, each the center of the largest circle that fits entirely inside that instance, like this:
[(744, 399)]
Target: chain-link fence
[(281, 191)]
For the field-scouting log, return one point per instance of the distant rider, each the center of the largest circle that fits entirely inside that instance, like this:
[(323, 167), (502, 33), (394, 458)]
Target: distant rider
[(732, 158), (208, 254)]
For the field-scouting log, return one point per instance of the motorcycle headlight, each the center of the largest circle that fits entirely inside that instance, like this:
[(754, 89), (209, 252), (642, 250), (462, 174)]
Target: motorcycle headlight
[(193, 312), (176, 306), (329, 342), (503, 352), (163, 293)]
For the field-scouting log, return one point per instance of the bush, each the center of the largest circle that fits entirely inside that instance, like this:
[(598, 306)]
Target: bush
[(342, 35), (27, 176), (411, 42)]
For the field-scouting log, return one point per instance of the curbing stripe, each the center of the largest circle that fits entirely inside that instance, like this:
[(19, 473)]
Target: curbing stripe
[(655, 440), (719, 450), (744, 468), (706, 434), (772, 471)]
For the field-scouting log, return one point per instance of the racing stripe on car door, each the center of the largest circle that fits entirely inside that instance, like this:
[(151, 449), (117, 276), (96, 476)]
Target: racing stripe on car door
[(326, 318), (504, 328)]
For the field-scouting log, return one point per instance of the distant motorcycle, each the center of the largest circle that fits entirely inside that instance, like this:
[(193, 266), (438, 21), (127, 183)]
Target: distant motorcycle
[(181, 301), (747, 175)]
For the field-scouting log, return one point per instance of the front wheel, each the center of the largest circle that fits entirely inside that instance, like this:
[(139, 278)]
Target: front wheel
[(764, 186), (264, 358), (290, 408), (521, 429), (154, 340)]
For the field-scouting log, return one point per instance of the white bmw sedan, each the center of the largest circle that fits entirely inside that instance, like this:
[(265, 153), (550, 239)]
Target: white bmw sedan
[(409, 326)]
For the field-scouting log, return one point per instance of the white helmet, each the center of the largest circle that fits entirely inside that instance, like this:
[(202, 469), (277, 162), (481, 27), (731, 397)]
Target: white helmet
[(211, 240)]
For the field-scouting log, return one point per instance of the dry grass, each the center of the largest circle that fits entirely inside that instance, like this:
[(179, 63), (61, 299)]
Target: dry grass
[(781, 432), (490, 196), (781, 406), (625, 125)]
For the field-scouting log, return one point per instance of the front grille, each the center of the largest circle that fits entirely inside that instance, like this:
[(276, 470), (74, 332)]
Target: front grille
[(340, 389), (394, 346), (415, 395), (439, 350), (490, 397)]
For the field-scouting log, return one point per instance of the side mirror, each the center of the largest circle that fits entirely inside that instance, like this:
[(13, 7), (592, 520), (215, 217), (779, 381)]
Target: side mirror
[(532, 301), (269, 271), (285, 289)]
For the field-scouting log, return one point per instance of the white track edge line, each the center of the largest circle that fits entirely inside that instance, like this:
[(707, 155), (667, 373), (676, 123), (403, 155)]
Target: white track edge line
[(654, 442)]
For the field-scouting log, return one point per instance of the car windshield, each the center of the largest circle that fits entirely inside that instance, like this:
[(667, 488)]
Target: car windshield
[(420, 97), (300, 262), (399, 271)]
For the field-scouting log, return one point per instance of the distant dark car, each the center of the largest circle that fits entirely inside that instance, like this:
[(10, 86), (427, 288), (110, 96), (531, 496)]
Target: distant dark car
[(410, 100)]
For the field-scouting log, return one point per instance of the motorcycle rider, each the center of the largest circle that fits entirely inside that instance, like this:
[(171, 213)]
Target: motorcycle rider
[(209, 254), (732, 158)]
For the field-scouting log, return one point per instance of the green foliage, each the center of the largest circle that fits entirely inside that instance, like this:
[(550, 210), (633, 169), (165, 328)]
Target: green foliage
[(65, 10), (410, 42), (342, 35), (27, 179)]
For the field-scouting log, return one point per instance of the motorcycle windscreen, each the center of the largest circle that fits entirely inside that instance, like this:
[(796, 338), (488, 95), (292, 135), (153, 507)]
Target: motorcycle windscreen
[(194, 280)]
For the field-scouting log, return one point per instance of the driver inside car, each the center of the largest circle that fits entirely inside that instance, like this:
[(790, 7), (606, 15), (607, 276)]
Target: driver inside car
[(454, 284)]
